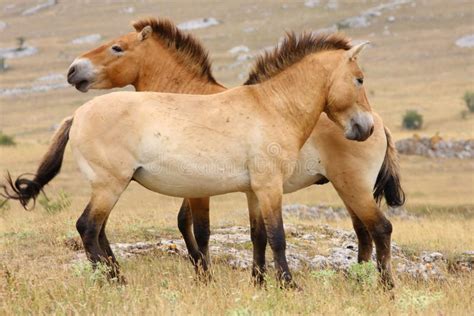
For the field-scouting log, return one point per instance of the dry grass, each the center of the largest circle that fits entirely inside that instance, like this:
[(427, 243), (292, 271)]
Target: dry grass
[(38, 277)]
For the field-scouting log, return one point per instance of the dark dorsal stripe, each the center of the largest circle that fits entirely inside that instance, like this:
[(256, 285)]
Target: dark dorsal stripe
[(184, 44), (292, 49)]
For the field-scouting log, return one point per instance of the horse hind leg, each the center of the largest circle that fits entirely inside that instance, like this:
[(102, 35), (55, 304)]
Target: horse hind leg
[(365, 242), (185, 224), (202, 233), (380, 230), (361, 202), (194, 213), (105, 245), (91, 227)]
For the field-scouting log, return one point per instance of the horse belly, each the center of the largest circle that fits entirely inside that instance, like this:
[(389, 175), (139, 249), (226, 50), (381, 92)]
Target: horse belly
[(182, 180)]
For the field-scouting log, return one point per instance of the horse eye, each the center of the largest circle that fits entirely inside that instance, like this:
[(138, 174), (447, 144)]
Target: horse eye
[(117, 49), (360, 80)]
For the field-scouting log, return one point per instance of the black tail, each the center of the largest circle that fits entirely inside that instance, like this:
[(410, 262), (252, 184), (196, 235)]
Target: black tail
[(23, 189), (388, 179)]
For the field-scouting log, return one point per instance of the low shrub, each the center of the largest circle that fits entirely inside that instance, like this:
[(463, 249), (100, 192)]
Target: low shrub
[(363, 274), (469, 99), (6, 140), (412, 120)]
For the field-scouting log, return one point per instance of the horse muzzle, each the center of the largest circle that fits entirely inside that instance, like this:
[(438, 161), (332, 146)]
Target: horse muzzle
[(81, 74), (360, 127)]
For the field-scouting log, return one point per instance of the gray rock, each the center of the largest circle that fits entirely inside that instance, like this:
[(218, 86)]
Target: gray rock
[(354, 22), (42, 84), (14, 52), (364, 18), (239, 49), (198, 24), (465, 41), (312, 3), (228, 243), (436, 148), (88, 39), (39, 7)]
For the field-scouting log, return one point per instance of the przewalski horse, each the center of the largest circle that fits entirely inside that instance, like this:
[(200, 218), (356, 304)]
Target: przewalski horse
[(173, 59), (176, 62), (222, 141)]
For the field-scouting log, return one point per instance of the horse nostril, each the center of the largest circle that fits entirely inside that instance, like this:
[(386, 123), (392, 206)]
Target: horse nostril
[(358, 128), (71, 71), (371, 130)]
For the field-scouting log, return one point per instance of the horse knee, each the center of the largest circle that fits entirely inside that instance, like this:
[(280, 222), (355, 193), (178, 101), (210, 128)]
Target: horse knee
[(382, 229), (83, 223), (87, 228)]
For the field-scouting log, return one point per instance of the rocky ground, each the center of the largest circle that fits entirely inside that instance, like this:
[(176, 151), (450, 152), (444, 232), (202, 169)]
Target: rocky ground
[(309, 247), (436, 147)]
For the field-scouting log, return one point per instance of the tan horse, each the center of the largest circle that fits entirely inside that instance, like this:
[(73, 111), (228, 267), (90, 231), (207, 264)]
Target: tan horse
[(151, 138), (350, 166)]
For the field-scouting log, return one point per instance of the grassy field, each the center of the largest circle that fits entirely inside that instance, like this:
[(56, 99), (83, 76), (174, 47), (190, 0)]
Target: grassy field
[(413, 64)]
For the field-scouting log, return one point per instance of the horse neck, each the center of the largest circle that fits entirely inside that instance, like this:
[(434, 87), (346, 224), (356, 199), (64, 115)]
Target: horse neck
[(161, 71), (298, 94)]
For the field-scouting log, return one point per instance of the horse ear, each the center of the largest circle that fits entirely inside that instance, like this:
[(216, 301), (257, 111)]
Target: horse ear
[(145, 33), (355, 50)]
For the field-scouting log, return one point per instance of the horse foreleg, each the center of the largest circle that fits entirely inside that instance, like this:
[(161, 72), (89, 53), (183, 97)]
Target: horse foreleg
[(269, 193), (258, 236)]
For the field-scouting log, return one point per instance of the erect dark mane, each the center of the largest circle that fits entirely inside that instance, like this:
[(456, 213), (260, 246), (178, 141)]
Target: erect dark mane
[(292, 49), (188, 47)]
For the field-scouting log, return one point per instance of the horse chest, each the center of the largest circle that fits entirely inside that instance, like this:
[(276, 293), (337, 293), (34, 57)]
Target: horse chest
[(308, 170)]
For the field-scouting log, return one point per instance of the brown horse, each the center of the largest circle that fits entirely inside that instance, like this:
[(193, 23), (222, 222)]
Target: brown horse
[(327, 153), (222, 141)]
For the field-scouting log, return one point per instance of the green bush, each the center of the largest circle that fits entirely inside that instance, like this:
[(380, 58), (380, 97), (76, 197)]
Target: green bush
[(363, 274), (56, 205), (469, 99), (97, 275), (413, 300), (325, 276), (6, 140), (412, 120)]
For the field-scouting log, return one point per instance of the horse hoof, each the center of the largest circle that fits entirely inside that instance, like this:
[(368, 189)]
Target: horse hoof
[(118, 279), (291, 285)]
